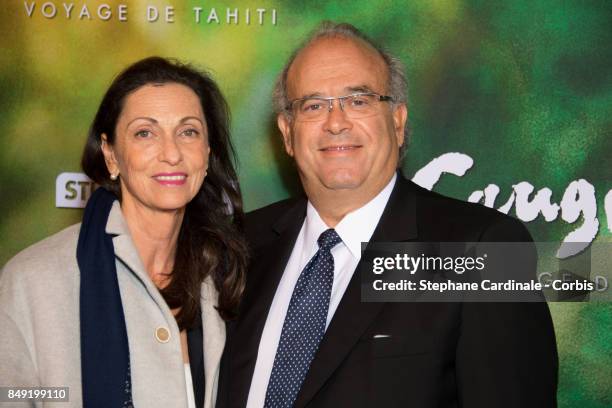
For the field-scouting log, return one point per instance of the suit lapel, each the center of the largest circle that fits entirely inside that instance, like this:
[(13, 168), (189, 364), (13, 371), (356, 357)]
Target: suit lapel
[(352, 318), (264, 276)]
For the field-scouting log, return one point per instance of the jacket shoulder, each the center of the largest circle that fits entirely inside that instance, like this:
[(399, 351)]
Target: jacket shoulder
[(481, 223), (51, 255), (259, 222)]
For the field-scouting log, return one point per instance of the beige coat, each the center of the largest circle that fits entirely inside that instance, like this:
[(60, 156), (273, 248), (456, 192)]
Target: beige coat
[(39, 323)]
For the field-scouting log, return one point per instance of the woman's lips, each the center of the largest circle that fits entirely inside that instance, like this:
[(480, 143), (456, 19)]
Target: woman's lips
[(171, 179)]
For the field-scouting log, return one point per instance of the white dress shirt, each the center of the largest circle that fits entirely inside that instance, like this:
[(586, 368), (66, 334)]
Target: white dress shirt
[(189, 385), (355, 228)]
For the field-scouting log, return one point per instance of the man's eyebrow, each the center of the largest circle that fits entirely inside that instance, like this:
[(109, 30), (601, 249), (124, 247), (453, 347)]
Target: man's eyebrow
[(347, 91), (360, 88), (312, 95)]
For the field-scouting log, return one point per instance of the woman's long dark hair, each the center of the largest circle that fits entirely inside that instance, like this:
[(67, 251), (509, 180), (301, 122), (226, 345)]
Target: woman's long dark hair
[(210, 241)]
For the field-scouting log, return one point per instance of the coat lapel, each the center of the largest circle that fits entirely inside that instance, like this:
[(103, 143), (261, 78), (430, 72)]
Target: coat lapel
[(268, 265), (352, 318)]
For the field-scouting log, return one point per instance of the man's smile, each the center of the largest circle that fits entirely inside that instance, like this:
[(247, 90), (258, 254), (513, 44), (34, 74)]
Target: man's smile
[(340, 148)]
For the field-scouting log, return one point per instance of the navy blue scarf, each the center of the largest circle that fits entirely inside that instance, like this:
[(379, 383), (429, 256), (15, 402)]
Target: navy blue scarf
[(105, 354)]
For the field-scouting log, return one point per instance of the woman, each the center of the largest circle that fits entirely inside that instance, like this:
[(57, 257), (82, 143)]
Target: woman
[(127, 308)]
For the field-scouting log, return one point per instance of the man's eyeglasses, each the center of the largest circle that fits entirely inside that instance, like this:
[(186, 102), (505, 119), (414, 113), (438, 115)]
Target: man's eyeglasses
[(355, 106)]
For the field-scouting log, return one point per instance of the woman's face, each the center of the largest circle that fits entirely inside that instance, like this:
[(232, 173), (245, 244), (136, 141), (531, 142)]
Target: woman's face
[(161, 147)]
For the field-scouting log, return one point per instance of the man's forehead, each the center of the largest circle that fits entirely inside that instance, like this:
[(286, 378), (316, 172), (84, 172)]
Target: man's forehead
[(347, 64)]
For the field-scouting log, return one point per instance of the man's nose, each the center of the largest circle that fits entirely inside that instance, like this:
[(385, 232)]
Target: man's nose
[(337, 121), (170, 151)]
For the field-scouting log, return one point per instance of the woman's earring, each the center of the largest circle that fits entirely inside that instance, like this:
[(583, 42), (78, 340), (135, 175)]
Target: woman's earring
[(114, 176)]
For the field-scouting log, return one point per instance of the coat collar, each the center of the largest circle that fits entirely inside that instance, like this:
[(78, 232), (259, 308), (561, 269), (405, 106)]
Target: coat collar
[(294, 216), (126, 252), (399, 220)]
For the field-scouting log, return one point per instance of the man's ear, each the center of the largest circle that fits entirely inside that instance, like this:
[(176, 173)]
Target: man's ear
[(400, 115), (284, 125), (109, 155)]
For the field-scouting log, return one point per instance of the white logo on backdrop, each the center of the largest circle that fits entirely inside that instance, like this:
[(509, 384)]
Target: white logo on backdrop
[(256, 16), (578, 198), (72, 190)]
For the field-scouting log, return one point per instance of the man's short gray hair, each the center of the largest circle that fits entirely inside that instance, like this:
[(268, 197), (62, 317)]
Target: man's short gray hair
[(397, 86)]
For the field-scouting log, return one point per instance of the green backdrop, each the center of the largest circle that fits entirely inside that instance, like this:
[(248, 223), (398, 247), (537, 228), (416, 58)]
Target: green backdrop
[(524, 88)]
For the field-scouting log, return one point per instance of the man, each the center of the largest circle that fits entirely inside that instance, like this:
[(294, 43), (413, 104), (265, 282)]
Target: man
[(304, 338)]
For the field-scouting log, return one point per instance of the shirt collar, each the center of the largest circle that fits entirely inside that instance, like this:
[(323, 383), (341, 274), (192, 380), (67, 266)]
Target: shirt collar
[(356, 227)]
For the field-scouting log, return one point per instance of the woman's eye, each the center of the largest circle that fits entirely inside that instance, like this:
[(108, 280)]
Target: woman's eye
[(143, 133), (190, 132)]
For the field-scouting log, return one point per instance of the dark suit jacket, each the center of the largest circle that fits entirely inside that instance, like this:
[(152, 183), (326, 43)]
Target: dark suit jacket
[(439, 354)]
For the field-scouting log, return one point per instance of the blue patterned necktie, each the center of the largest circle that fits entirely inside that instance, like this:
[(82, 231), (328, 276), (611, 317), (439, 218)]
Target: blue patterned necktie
[(304, 325)]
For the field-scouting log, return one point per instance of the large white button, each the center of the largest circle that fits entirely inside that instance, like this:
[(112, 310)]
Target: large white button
[(162, 334)]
